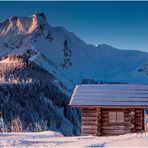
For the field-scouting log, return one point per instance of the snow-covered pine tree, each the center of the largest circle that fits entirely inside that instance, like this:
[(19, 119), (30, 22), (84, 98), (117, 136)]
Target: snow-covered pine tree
[(67, 55)]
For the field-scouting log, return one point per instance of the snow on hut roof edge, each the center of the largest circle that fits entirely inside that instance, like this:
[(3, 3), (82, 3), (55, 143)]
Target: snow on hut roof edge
[(110, 95)]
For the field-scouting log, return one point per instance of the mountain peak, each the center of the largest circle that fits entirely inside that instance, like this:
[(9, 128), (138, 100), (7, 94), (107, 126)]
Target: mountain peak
[(22, 25), (104, 46), (13, 18), (40, 15)]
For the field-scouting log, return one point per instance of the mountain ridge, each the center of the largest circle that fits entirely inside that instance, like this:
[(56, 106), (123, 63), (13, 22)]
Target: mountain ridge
[(72, 58)]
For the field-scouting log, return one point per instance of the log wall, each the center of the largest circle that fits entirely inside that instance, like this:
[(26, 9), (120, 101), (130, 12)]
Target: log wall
[(89, 121), (95, 121), (139, 120), (99, 122)]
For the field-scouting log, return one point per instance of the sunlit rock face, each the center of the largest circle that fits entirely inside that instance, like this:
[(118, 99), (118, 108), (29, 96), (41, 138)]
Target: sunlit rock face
[(17, 69), (21, 25)]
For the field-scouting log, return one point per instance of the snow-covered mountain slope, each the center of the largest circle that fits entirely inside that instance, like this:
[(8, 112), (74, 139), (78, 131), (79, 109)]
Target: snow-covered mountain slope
[(66, 56)]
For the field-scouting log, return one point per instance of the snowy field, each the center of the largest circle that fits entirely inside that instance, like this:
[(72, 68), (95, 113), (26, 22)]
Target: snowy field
[(52, 139)]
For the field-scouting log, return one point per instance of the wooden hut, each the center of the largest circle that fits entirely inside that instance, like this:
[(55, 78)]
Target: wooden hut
[(110, 109)]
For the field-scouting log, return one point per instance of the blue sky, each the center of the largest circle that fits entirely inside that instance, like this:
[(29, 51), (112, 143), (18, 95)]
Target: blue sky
[(120, 24)]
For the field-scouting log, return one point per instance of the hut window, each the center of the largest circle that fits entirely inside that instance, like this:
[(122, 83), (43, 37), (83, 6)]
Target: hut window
[(116, 117), (112, 117), (120, 117)]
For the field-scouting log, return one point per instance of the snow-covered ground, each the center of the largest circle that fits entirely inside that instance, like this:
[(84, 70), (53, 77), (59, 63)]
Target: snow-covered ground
[(52, 139)]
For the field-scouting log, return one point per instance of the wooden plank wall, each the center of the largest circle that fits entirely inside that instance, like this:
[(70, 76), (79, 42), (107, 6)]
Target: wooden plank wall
[(89, 121), (139, 120), (130, 119), (95, 121), (99, 130)]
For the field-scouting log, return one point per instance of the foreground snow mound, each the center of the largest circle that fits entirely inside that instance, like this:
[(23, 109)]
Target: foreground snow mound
[(53, 139)]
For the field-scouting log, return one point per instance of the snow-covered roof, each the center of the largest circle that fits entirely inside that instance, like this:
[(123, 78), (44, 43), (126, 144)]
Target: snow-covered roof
[(110, 95)]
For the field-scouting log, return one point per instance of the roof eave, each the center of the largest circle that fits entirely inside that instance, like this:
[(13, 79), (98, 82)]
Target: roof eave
[(109, 106)]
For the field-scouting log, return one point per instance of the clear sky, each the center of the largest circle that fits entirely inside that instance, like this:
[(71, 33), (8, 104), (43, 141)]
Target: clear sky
[(120, 24)]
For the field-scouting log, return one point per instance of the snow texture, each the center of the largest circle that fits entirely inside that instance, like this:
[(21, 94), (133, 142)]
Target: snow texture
[(53, 139)]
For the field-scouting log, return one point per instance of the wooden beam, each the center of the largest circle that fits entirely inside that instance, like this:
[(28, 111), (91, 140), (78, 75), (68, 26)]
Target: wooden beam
[(88, 131), (115, 127), (84, 114), (109, 106), (115, 131), (89, 122), (87, 127), (88, 118)]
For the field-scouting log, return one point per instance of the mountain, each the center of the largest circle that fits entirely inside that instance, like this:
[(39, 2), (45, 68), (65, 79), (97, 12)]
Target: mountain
[(66, 56), (32, 51)]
